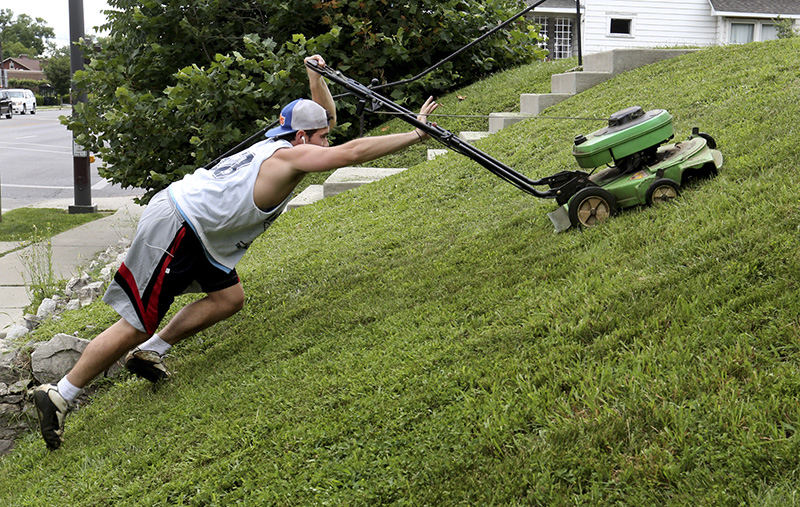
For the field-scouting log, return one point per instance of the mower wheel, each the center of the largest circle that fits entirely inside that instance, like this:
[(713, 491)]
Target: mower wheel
[(662, 190), (591, 206)]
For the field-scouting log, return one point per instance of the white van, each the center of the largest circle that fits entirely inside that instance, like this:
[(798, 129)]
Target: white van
[(23, 101)]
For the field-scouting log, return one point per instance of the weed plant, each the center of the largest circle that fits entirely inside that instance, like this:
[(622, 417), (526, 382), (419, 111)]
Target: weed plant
[(40, 280), (429, 340)]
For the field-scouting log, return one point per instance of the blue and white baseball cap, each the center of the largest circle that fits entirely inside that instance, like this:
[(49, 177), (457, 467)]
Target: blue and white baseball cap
[(300, 114)]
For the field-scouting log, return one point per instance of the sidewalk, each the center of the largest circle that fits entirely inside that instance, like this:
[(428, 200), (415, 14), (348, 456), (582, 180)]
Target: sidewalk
[(71, 250)]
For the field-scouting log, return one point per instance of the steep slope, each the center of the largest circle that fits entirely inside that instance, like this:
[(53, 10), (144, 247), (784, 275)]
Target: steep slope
[(428, 340)]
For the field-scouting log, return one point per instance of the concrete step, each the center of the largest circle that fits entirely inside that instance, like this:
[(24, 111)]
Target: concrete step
[(470, 136), (433, 153), (535, 103), (347, 178), (623, 60), (499, 121), (576, 82), (310, 195)]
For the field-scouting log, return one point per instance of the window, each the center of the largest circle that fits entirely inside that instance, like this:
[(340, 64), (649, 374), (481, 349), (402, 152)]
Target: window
[(543, 25), (741, 33), (562, 45), (620, 26), (769, 32), (557, 34)]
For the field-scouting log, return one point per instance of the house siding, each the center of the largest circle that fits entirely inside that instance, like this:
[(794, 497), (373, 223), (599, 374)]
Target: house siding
[(654, 23)]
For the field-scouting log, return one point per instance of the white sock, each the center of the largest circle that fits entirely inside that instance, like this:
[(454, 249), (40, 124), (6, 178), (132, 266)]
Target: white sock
[(68, 391), (156, 344)]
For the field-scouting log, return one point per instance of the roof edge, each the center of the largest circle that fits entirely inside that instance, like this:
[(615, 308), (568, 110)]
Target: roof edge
[(737, 14)]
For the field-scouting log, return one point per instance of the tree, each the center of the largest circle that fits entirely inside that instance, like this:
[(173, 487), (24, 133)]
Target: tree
[(179, 81), (14, 49), (785, 28), (24, 33), (57, 70)]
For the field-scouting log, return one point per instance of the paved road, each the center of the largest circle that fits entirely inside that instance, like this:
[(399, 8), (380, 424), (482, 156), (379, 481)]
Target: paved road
[(36, 162)]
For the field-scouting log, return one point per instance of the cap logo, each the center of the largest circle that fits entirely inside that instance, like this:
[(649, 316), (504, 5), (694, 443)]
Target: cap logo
[(283, 120)]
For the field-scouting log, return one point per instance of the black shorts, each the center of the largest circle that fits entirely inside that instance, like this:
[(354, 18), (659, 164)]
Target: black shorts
[(166, 259)]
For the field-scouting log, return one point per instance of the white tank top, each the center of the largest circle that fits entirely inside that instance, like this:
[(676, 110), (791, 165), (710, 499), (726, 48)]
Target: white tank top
[(218, 204)]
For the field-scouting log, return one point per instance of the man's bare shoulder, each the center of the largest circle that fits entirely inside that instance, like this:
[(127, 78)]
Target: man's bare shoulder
[(280, 156)]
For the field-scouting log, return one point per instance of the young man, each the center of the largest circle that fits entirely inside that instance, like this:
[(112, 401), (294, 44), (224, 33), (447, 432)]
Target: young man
[(191, 236)]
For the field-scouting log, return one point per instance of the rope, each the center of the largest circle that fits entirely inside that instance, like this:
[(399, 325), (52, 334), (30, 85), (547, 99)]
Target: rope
[(483, 116)]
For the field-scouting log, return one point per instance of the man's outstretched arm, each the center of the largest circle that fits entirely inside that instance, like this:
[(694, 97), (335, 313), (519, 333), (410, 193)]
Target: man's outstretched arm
[(280, 173), (312, 158)]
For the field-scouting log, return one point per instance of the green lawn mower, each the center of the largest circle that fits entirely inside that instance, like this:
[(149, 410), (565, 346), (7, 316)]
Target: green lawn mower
[(639, 168), (645, 171)]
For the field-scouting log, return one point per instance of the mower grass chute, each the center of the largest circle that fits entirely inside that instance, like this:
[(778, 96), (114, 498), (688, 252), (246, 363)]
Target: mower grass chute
[(643, 171)]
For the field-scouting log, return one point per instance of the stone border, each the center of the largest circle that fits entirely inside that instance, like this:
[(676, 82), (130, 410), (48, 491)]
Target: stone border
[(25, 365)]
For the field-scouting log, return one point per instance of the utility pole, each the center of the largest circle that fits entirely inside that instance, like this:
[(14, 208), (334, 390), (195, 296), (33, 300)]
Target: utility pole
[(578, 31), (3, 74), (80, 157)]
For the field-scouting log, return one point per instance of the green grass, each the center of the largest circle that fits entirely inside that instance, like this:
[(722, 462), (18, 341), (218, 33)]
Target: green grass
[(428, 340), (22, 224)]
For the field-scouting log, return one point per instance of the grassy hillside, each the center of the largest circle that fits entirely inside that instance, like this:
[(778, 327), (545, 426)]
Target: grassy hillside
[(429, 340)]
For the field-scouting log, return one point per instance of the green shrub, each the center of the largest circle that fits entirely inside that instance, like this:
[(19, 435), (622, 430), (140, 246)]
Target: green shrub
[(785, 27), (29, 84)]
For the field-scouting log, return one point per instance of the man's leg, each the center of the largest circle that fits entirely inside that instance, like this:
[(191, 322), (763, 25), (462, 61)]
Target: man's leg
[(196, 316), (147, 360), (52, 402), (101, 352)]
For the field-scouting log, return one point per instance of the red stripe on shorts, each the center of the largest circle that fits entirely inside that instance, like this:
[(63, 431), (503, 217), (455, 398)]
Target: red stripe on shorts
[(151, 313), (133, 289)]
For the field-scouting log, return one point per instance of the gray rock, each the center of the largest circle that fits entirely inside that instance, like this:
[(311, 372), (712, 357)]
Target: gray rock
[(15, 427), (53, 359), (6, 446), (13, 398), (91, 291), (19, 387), (46, 309), (16, 331), (13, 394), (73, 304), (9, 373), (75, 284), (106, 272), (9, 411), (31, 321)]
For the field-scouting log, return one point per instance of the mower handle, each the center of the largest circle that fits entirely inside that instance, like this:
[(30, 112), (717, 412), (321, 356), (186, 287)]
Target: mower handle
[(444, 136)]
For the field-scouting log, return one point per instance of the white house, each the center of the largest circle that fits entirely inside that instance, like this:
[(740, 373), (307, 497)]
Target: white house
[(742, 21), (556, 20), (613, 24)]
